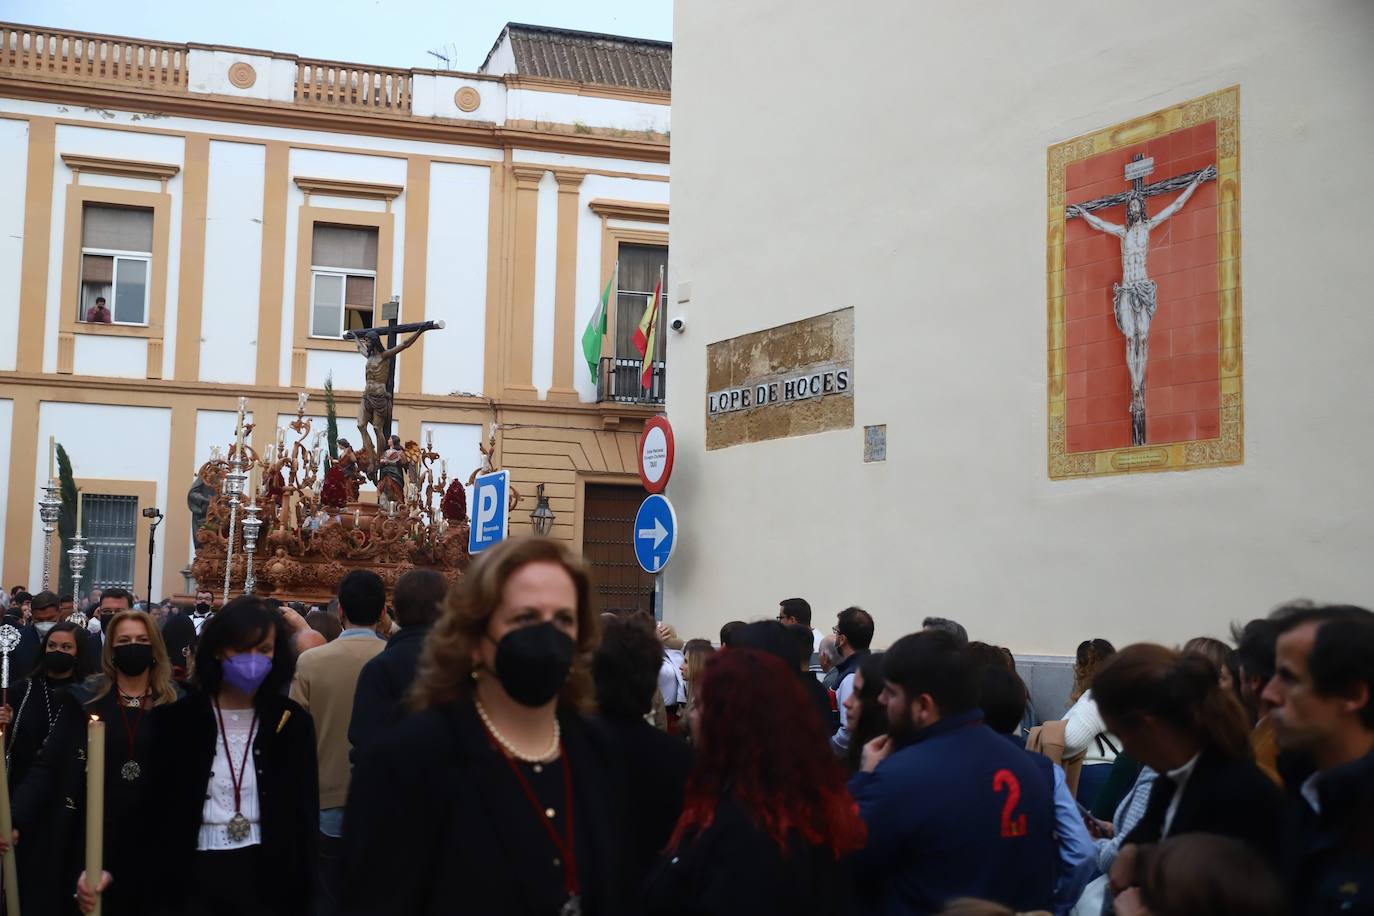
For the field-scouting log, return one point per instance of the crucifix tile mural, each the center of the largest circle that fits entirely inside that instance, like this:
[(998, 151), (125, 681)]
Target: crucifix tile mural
[(1144, 294)]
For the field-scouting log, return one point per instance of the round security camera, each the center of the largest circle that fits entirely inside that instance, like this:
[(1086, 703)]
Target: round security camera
[(678, 324)]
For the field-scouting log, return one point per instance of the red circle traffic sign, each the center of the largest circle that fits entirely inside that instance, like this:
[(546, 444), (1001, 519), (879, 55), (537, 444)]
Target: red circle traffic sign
[(656, 451)]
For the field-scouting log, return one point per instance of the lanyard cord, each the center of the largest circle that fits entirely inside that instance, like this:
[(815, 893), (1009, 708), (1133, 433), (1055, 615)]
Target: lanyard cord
[(236, 779), (564, 844)]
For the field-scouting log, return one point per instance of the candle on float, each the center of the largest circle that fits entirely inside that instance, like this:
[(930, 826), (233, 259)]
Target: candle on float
[(429, 439), (443, 468), (301, 399), (79, 501), (11, 871), (281, 437), (52, 456), (95, 804)]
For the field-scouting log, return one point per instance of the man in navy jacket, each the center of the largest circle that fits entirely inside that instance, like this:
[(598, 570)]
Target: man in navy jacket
[(953, 809)]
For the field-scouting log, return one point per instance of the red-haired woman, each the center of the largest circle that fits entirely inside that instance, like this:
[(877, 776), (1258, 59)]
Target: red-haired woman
[(767, 822)]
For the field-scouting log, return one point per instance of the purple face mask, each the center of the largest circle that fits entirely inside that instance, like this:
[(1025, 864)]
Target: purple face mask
[(246, 672)]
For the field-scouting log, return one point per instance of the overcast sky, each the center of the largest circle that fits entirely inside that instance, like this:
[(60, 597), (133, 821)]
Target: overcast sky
[(394, 33)]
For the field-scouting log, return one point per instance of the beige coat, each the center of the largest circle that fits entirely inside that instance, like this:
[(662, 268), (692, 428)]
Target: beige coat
[(326, 678), (1048, 739)]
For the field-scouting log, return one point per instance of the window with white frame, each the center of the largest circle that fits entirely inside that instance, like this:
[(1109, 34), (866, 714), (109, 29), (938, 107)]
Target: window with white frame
[(116, 264), (343, 282)]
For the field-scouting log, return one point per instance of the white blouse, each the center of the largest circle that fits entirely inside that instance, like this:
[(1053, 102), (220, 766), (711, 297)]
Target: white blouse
[(219, 796), (1083, 726)]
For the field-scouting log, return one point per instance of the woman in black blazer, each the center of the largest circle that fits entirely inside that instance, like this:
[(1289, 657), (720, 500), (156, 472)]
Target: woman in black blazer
[(1172, 714), (232, 797), (497, 797)]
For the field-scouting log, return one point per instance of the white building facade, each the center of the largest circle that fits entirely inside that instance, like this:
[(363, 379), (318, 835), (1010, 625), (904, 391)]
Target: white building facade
[(918, 165)]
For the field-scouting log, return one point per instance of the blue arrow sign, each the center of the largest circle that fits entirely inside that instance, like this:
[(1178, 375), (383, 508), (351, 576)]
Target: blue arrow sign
[(490, 517), (655, 533)]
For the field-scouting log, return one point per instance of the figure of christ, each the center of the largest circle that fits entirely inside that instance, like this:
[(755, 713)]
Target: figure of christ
[(1134, 298), (375, 408)]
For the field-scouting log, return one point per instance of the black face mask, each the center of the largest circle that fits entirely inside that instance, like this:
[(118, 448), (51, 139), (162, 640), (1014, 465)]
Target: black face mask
[(58, 664), (132, 658), (202, 608), (532, 663)]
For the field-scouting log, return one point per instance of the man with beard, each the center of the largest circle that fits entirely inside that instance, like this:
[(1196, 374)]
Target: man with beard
[(952, 808)]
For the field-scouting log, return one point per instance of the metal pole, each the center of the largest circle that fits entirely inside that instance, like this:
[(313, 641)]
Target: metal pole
[(152, 536)]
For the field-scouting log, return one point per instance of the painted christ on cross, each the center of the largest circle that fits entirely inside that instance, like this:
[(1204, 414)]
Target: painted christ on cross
[(1134, 298)]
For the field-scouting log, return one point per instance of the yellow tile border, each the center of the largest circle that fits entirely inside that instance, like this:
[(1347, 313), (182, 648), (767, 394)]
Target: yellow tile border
[(1228, 448)]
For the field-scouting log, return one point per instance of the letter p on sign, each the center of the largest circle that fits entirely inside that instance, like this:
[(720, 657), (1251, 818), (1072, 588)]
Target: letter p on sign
[(491, 517)]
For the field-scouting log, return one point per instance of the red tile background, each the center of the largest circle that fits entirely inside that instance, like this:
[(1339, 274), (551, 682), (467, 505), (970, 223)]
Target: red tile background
[(1182, 378)]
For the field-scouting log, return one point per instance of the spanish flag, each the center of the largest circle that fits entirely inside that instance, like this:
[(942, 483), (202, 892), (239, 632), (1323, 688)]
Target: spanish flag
[(646, 337)]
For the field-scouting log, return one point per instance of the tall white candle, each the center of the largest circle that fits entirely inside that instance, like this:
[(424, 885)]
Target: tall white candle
[(52, 456), (95, 805)]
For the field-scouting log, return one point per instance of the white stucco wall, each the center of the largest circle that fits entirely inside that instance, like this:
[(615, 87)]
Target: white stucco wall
[(146, 433), (587, 111), (233, 263), (14, 169), (921, 202), (456, 277)]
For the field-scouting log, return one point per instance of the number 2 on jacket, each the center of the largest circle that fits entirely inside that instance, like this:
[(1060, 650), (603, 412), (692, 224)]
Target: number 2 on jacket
[(1006, 779)]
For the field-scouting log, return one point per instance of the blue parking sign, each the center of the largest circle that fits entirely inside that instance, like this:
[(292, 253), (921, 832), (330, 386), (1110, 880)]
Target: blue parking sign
[(490, 515)]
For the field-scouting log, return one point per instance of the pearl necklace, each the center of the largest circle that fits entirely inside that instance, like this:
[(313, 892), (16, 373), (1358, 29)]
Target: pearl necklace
[(548, 756)]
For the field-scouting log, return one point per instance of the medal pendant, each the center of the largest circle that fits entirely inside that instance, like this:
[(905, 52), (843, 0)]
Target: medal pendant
[(573, 907), (239, 828), (130, 771)]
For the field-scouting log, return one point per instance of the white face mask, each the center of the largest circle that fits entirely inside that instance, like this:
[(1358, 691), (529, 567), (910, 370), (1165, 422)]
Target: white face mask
[(43, 626)]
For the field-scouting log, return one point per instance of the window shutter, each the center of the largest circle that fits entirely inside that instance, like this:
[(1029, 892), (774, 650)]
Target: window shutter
[(117, 228), (344, 248)]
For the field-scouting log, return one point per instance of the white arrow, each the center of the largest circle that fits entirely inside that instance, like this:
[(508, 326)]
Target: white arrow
[(658, 533)]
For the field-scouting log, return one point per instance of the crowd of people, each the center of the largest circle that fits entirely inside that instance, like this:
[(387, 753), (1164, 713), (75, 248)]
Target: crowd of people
[(500, 748)]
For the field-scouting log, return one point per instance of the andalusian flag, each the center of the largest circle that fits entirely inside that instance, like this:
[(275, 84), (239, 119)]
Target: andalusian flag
[(596, 330), (647, 336)]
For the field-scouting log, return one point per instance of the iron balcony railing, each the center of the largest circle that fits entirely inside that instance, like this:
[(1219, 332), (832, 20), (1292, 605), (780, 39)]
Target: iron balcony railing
[(620, 380)]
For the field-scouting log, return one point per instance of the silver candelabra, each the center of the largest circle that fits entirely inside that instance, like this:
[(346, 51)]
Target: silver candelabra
[(251, 526), (49, 510), (77, 554), (233, 485)]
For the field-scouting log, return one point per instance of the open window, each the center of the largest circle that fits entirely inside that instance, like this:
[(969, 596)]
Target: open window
[(343, 267), (116, 264)]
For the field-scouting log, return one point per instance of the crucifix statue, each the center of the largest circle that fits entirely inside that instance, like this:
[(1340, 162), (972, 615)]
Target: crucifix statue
[(1134, 300), (380, 372)]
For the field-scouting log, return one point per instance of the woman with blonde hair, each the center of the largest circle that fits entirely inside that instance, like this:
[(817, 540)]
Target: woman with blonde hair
[(695, 653), (136, 676), (497, 787)]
